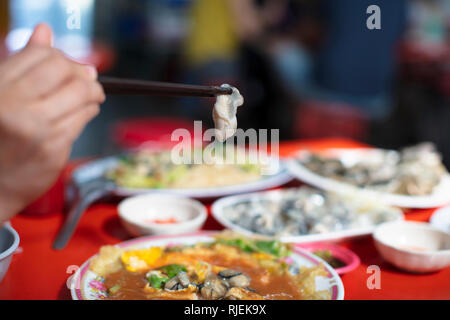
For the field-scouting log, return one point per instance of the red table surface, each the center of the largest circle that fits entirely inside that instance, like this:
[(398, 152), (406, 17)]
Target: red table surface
[(39, 272)]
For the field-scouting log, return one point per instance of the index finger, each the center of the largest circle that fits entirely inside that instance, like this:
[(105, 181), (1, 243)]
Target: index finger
[(51, 74)]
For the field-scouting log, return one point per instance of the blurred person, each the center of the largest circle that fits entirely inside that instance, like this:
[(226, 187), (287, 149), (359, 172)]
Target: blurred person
[(350, 64), (45, 102), (357, 65), (298, 37), (225, 44), (212, 44), (218, 28)]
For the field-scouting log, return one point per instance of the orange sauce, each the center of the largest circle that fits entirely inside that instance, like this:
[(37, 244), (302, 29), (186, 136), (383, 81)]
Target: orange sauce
[(162, 221), (413, 248)]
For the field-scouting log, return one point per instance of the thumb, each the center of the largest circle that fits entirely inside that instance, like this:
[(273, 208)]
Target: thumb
[(42, 35)]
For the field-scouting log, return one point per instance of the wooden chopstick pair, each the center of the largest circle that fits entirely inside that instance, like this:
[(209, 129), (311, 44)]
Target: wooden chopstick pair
[(141, 87)]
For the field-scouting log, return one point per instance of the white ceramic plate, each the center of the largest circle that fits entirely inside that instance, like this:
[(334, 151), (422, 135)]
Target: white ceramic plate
[(439, 197), (86, 285), (97, 169), (441, 219), (276, 195)]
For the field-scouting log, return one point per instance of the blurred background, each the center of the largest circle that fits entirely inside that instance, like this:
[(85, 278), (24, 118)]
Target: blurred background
[(310, 68)]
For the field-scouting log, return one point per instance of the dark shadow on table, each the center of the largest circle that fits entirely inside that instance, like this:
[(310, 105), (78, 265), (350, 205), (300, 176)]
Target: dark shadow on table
[(113, 227), (64, 293)]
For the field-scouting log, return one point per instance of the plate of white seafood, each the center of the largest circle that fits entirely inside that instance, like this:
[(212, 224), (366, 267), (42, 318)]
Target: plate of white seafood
[(413, 177), (302, 214)]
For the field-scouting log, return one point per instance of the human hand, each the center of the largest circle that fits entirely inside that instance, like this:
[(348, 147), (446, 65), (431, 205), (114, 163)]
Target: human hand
[(45, 102)]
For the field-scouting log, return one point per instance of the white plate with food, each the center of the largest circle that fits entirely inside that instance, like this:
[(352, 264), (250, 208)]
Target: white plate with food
[(302, 215), (154, 171), (412, 178), (207, 266)]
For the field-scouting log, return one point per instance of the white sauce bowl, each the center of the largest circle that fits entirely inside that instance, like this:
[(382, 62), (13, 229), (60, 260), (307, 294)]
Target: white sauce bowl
[(413, 246), (138, 214), (9, 241)]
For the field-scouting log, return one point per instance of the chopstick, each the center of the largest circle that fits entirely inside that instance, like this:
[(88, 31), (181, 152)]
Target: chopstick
[(140, 87)]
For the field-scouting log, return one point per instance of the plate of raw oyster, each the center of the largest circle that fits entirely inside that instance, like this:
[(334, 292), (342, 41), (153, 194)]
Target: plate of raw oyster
[(302, 214), (413, 177)]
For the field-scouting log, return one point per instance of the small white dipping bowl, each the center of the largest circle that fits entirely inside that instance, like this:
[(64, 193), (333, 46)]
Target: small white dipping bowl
[(139, 214), (413, 246), (9, 241)]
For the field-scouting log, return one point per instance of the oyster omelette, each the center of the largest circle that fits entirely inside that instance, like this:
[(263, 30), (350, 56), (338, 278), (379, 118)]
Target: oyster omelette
[(228, 268)]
